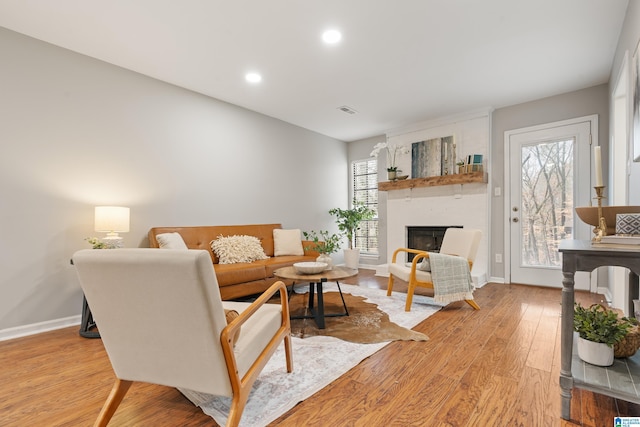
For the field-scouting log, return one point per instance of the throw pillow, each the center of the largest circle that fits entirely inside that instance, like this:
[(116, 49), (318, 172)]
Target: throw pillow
[(235, 249), (423, 265), (171, 241), (230, 315), (287, 242)]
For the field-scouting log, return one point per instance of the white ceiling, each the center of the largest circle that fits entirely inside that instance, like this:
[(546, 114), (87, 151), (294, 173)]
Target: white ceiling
[(399, 62)]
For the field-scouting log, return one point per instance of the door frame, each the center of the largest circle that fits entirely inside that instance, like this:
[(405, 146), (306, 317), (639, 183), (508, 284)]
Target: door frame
[(593, 118)]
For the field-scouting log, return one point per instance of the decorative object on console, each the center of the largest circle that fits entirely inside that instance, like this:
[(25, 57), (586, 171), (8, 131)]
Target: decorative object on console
[(597, 325), (348, 221), (112, 220), (628, 224), (589, 215)]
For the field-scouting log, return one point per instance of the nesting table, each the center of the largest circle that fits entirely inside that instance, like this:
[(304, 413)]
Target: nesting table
[(315, 289)]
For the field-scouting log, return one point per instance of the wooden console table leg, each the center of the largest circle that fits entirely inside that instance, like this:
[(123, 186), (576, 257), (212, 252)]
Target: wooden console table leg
[(634, 292), (566, 340)]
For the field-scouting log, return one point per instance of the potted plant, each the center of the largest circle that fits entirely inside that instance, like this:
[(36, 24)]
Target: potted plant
[(599, 330), (323, 243), (460, 164), (392, 153), (348, 221)]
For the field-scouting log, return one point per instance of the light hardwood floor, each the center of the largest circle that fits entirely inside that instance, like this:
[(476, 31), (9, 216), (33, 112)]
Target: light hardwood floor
[(495, 367)]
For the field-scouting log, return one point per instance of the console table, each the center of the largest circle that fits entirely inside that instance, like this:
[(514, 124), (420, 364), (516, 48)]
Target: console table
[(582, 255)]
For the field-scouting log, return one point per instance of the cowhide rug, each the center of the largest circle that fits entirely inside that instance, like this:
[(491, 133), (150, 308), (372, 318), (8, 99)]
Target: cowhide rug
[(366, 323)]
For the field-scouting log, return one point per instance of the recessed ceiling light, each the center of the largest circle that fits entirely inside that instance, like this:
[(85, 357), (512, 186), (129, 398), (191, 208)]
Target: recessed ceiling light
[(331, 36), (253, 77)]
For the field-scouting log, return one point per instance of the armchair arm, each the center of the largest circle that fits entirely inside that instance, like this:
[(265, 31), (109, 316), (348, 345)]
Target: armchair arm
[(419, 254), (226, 338)]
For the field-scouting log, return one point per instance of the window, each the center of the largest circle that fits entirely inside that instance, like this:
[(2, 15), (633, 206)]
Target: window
[(365, 191)]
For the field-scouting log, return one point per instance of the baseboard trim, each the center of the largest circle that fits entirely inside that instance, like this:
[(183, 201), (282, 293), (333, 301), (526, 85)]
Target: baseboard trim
[(37, 328)]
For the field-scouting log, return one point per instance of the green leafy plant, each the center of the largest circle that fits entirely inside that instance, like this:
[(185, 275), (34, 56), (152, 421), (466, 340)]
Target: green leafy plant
[(96, 243), (348, 220), (460, 162), (600, 325), (322, 242)]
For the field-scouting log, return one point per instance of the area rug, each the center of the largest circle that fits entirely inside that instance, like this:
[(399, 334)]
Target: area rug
[(365, 324), (317, 361)]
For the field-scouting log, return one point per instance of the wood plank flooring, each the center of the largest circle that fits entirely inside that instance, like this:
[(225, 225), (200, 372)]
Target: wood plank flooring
[(495, 367)]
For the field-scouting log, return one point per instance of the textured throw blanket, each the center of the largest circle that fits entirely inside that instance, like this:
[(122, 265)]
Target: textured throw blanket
[(451, 278)]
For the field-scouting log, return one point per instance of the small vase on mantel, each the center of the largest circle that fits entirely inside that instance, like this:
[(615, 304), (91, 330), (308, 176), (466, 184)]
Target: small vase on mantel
[(391, 175), (326, 259)]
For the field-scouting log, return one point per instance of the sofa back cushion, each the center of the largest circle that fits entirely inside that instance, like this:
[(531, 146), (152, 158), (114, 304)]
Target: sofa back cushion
[(200, 237)]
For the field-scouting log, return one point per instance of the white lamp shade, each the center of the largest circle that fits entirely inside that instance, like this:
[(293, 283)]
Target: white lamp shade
[(111, 219)]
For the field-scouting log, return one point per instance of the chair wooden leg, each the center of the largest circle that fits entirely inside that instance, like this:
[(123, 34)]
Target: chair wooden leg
[(390, 285), (118, 391), (411, 288), (288, 353), (473, 304), (238, 403)]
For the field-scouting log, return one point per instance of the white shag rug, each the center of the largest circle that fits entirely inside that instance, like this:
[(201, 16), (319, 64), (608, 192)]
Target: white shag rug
[(317, 361)]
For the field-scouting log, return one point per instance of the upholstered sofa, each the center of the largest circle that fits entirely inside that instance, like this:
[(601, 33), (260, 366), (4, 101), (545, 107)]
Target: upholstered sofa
[(242, 279)]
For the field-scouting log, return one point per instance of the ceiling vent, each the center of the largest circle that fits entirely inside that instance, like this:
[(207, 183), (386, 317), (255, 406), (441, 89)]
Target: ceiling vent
[(347, 110)]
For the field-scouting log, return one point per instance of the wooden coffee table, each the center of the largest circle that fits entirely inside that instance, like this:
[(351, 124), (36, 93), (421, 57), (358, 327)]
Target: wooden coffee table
[(315, 287)]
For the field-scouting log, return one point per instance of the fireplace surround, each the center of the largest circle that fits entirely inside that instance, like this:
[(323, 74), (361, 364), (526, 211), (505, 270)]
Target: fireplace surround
[(426, 238)]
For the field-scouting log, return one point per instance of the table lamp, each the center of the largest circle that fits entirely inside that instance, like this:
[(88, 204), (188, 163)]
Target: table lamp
[(112, 220)]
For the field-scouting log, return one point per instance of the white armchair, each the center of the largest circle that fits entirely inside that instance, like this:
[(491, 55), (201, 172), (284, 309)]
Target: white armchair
[(461, 242), (162, 321)]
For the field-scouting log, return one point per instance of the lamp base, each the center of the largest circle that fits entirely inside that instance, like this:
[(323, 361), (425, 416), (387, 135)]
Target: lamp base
[(113, 241)]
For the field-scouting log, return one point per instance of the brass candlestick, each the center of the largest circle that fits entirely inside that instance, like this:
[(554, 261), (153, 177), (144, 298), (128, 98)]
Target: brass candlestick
[(601, 229)]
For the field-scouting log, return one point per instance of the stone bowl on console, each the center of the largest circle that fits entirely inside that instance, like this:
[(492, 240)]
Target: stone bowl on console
[(310, 267), (589, 215)]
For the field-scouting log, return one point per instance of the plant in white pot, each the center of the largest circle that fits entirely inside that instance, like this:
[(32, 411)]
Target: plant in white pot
[(348, 221), (323, 243), (599, 330)]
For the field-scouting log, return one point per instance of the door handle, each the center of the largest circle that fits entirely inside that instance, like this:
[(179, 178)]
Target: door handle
[(515, 219)]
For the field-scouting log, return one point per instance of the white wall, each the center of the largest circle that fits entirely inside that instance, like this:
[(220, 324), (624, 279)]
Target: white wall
[(627, 44), (76, 132)]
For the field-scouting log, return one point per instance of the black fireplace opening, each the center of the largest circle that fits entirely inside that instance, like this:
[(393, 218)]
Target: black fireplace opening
[(426, 238)]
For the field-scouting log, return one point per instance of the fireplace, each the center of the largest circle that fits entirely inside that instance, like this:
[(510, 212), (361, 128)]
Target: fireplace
[(426, 238)]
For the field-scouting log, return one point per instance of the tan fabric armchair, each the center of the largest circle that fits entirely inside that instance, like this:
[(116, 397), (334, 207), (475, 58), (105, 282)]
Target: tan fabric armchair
[(162, 321), (457, 241)]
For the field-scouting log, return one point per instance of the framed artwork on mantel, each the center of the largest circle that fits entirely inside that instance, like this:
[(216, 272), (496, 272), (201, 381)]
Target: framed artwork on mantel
[(433, 157)]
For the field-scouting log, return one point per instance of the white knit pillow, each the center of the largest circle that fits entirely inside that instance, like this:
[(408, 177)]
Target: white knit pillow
[(234, 249), (171, 241)]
